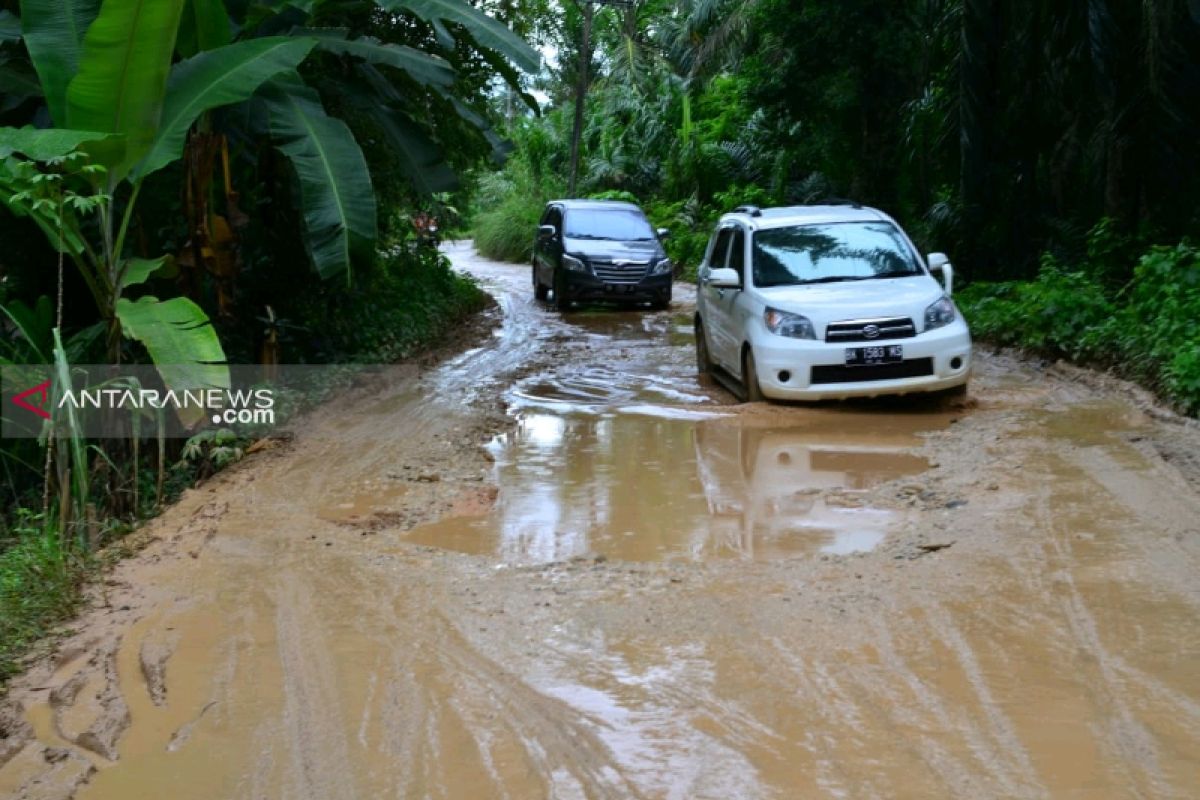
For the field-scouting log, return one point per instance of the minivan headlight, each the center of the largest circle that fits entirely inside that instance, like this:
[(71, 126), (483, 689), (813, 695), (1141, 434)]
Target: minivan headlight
[(940, 314), (785, 323), (574, 264), (663, 267)]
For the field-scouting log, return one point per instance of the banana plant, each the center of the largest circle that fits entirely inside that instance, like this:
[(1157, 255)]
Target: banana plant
[(114, 91), (220, 68), (104, 71)]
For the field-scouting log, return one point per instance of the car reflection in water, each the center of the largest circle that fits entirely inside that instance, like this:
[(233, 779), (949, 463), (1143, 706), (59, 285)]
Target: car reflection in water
[(780, 491), (648, 487)]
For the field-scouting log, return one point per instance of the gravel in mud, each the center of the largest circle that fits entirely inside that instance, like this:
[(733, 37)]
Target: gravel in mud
[(550, 563)]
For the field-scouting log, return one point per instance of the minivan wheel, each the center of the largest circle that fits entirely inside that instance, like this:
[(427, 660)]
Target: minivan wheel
[(540, 290), (750, 378), (561, 301), (703, 362)]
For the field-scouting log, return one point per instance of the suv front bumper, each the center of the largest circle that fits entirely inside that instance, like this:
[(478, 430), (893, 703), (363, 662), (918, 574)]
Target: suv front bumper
[(933, 361)]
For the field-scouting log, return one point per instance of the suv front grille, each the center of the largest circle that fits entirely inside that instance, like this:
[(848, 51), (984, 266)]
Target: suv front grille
[(860, 330), (838, 373), (623, 272)]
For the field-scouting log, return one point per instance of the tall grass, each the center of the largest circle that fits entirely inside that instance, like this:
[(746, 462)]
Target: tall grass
[(508, 207), (40, 580)]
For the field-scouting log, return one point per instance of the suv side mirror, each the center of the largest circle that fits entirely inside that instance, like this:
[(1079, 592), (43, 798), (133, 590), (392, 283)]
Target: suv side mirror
[(724, 278), (546, 231), (663, 233), (938, 262)]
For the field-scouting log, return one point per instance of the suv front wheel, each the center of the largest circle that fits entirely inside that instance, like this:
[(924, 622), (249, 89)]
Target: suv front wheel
[(703, 360), (750, 378)]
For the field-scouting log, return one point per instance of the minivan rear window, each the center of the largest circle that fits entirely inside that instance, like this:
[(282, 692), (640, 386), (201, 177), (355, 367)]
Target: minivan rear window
[(619, 224)]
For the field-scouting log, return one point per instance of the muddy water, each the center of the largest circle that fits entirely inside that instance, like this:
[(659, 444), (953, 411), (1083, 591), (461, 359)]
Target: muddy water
[(649, 486), (889, 601)]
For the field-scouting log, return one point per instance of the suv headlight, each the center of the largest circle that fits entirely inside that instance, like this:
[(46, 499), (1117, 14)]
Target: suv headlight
[(574, 264), (663, 267), (940, 314), (785, 323)]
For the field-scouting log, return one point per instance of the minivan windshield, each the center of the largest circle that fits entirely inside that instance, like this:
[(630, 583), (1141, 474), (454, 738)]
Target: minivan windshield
[(619, 224), (830, 253)]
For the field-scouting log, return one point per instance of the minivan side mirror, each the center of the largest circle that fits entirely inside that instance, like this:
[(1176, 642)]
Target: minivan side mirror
[(546, 231), (938, 262), (724, 278), (663, 233)]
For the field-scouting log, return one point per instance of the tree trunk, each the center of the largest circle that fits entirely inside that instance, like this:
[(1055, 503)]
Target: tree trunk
[(585, 59)]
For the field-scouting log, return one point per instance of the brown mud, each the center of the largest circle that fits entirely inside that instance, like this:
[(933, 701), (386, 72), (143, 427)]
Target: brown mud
[(554, 565)]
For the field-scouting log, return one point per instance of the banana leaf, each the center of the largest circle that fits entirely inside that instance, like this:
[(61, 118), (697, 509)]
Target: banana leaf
[(487, 32), (421, 67), (216, 78), (122, 78), (53, 31), (337, 200), (182, 343)]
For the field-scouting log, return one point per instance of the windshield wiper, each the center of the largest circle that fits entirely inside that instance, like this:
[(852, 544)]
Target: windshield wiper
[(896, 273), (838, 278)]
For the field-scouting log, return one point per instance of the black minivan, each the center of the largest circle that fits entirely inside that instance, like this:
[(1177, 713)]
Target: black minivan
[(600, 250)]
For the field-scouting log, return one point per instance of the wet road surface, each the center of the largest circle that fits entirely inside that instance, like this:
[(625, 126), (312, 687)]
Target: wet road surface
[(557, 566)]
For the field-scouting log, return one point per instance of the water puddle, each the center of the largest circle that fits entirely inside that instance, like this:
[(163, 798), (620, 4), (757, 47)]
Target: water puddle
[(688, 484)]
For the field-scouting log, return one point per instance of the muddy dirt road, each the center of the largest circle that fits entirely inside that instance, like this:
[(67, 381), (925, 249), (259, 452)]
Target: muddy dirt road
[(555, 566)]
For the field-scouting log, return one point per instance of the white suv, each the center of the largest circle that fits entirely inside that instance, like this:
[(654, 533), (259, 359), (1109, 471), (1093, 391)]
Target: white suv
[(827, 302)]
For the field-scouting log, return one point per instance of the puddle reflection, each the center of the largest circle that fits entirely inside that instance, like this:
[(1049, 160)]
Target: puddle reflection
[(648, 487)]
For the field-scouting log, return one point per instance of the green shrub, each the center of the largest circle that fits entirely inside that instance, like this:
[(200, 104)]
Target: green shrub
[(506, 231), (1155, 329), (1146, 331), (1053, 314), (407, 301), (615, 194)]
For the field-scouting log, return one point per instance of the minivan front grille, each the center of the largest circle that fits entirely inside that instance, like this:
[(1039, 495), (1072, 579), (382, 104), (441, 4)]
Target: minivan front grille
[(621, 272), (838, 373), (870, 330)]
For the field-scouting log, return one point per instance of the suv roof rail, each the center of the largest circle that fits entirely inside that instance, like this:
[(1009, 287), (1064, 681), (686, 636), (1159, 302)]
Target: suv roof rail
[(839, 201), (753, 211)]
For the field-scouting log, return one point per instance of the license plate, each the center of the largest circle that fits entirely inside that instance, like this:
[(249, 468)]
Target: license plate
[(866, 356)]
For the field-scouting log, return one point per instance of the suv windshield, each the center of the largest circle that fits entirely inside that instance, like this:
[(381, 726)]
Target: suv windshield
[(620, 224), (840, 251)]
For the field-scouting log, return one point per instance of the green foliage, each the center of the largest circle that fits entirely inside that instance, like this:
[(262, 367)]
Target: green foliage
[(39, 587), (215, 78), (1156, 329), (1146, 331), (53, 33), (510, 202), (122, 77), (405, 302), (181, 341), (339, 208), (614, 194), (210, 451), (1055, 313)]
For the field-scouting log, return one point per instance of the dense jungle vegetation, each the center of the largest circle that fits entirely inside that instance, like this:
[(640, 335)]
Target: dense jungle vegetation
[(1052, 149)]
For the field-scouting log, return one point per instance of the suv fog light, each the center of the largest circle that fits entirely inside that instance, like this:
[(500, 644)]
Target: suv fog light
[(784, 376), (956, 363)]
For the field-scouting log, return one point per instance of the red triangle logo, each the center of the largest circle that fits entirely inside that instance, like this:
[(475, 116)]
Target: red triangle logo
[(42, 391)]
